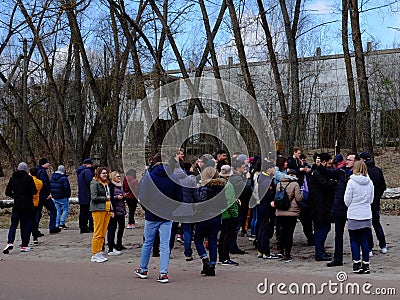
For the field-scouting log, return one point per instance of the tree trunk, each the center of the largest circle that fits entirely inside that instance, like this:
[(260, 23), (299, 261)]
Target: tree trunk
[(352, 120), (362, 79)]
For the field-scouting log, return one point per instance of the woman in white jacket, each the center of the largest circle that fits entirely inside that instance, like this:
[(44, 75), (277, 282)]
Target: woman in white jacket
[(358, 198)]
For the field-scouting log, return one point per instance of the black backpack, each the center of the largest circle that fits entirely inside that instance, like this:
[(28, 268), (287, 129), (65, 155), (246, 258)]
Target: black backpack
[(281, 199)]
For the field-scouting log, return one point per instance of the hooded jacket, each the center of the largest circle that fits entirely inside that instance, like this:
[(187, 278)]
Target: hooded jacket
[(21, 188), (59, 186), (155, 186), (358, 197), (85, 176)]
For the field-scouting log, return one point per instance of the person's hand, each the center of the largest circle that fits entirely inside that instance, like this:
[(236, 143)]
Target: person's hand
[(108, 197), (272, 204), (248, 175), (239, 202), (271, 171), (120, 197), (112, 214)]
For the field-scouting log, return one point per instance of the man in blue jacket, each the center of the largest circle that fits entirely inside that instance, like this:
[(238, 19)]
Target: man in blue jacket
[(156, 185), (45, 196), (60, 192), (85, 176)]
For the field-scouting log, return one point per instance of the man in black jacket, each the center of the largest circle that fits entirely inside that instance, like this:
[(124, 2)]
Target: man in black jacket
[(378, 180), (21, 188)]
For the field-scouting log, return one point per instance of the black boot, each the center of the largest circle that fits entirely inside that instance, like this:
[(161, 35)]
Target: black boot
[(208, 268), (365, 267)]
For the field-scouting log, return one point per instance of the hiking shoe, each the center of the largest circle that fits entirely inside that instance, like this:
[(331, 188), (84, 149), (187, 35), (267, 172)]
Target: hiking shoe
[(384, 250), (25, 249), (357, 268), (120, 247), (163, 278), (229, 262), (64, 227), (260, 255), (288, 259), (189, 258), (115, 252), (8, 248), (271, 256), (35, 242), (141, 274), (99, 258)]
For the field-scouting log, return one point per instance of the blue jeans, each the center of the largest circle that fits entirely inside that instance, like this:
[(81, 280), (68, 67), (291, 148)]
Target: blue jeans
[(376, 223), (359, 238), (254, 221), (340, 223), (25, 220), (321, 231), (208, 229), (150, 229), (62, 207), (187, 238)]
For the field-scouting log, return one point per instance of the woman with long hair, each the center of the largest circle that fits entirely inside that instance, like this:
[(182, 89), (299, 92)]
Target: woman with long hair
[(100, 206), (118, 204), (358, 197)]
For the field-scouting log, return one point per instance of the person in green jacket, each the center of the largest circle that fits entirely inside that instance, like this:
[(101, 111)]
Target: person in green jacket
[(229, 220)]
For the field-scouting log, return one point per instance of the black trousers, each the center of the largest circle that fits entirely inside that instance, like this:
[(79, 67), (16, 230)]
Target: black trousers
[(286, 238), (112, 228), (85, 216), (228, 233)]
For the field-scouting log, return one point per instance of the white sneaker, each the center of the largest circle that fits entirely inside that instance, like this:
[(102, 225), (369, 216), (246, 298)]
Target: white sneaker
[(8, 248), (371, 254), (99, 258), (384, 250), (115, 252)]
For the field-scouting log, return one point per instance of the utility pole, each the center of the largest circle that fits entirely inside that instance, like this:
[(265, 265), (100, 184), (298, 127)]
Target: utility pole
[(24, 100)]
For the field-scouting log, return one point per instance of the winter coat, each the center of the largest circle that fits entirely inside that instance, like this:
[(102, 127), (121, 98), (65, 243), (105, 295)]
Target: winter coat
[(98, 193), (213, 189), (59, 186), (155, 186), (117, 204), (85, 176), (295, 164), (233, 210), (42, 175), (242, 186), (342, 175), (130, 181), (21, 188), (321, 194), (376, 175), (358, 197), (295, 196)]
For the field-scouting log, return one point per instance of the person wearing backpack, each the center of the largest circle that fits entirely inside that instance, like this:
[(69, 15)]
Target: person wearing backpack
[(288, 218)]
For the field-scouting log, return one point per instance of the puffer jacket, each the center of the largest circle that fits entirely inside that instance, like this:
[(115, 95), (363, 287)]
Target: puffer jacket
[(59, 186), (85, 176), (295, 196), (358, 197), (117, 204)]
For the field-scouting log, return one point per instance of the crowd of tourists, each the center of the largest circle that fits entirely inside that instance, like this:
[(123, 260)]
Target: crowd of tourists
[(260, 198)]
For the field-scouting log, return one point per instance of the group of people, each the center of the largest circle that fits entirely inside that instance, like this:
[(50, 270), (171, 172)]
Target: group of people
[(32, 190), (332, 190)]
